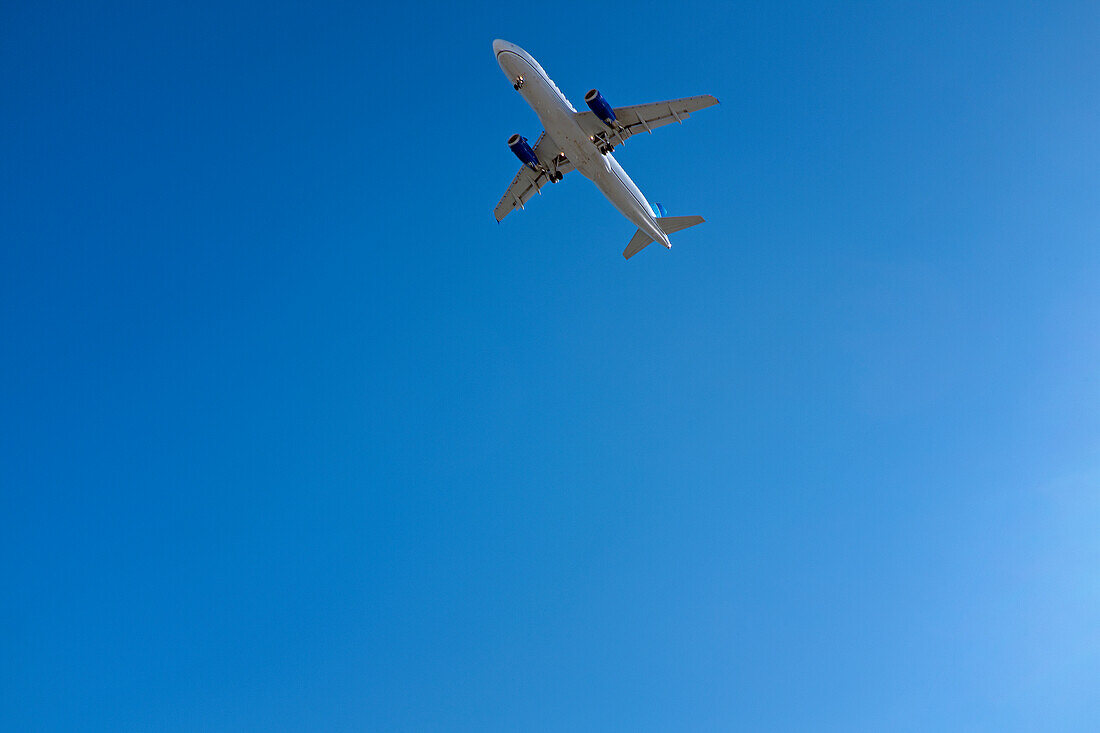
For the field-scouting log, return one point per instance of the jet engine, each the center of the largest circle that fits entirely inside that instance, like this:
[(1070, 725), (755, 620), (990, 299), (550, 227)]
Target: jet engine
[(523, 151), (600, 107)]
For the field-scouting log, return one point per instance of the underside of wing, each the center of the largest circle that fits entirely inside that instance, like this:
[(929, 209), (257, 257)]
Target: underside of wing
[(528, 182), (642, 117)]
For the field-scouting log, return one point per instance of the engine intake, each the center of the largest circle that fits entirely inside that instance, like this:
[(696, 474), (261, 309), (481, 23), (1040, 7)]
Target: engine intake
[(600, 107), (523, 151)]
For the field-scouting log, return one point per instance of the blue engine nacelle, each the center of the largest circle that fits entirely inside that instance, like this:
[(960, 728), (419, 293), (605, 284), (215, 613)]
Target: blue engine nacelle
[(600, 107), (523, 151)]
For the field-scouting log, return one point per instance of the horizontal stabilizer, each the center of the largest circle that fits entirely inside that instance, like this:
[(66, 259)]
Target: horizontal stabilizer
[(670, 224), (637, 244)]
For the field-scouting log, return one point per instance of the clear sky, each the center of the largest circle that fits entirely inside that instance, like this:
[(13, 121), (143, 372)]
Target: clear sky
[(294, 436)]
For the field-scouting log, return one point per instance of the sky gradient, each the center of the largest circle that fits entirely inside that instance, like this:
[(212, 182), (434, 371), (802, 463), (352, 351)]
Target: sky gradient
[(294, 436)]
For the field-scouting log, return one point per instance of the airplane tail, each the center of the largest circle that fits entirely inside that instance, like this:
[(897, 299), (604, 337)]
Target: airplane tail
[(668, 224)]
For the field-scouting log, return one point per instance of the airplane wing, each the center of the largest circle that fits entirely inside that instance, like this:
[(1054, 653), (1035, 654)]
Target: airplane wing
[(527, 182), (643, 117)]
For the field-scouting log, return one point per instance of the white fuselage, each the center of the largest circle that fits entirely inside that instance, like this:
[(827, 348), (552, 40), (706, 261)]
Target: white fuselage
[(557, 116)]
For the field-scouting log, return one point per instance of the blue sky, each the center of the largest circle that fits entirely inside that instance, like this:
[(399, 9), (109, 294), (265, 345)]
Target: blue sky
[(293, 436)]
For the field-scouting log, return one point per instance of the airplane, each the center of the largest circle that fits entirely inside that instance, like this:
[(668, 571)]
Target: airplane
[(583, 141)]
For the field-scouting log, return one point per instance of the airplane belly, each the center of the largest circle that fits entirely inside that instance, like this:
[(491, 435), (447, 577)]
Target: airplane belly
[(553, 111), (628, 200)]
